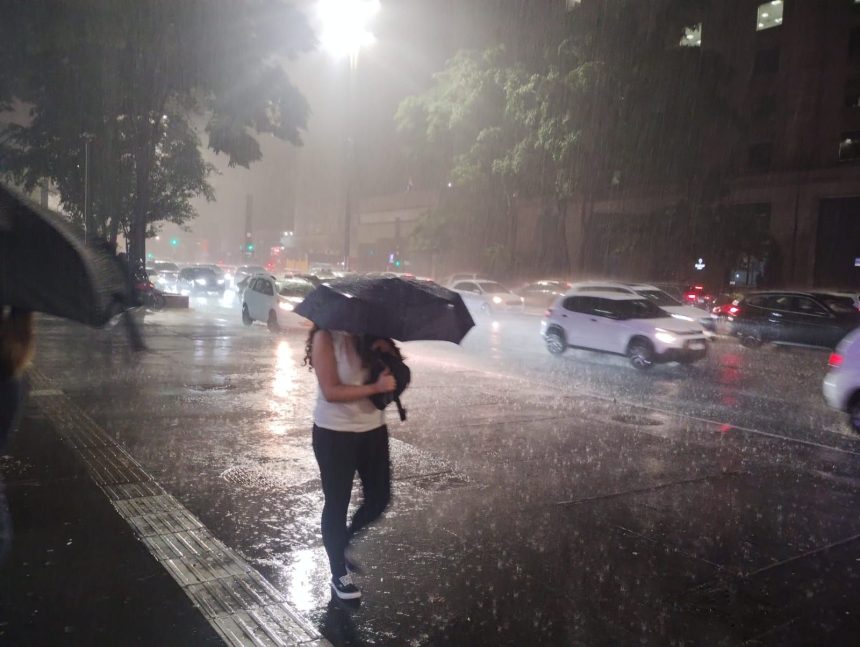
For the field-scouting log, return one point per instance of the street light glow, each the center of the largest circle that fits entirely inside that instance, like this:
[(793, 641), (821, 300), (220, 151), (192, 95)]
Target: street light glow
[(345, 25)]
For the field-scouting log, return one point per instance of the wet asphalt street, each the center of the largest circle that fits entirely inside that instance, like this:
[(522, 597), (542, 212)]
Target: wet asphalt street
[(554, 500)]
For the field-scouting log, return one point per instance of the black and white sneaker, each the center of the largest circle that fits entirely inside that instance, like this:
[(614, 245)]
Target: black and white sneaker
[(344, 588)]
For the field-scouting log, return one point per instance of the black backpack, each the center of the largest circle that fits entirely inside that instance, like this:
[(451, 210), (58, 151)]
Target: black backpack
[(402, 375)]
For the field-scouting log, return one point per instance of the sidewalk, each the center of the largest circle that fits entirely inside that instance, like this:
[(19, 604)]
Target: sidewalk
[(76, 574)]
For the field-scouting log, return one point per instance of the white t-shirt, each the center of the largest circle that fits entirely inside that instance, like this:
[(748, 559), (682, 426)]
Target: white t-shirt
[(358, 415)]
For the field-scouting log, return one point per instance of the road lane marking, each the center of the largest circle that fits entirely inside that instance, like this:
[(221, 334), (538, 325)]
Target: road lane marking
[(239, 603)]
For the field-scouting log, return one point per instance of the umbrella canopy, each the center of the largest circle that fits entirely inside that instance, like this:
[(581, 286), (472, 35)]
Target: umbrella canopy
[(401, 309), (45, 267)]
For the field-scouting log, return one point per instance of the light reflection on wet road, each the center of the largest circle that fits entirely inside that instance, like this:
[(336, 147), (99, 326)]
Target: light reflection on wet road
[(518, 476)]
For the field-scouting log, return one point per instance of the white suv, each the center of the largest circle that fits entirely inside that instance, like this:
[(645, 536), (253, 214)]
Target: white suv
[(667, 302), (623, 324), (842, 382)]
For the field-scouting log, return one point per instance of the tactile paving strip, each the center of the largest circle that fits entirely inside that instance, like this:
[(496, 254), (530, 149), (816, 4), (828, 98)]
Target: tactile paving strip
[(242, 606)]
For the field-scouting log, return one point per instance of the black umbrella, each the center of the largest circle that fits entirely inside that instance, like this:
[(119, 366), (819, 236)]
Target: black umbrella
[(402, 309), (45, 267)]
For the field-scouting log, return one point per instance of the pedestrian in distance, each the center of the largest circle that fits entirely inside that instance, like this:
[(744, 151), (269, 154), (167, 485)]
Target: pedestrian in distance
[(349, 436)]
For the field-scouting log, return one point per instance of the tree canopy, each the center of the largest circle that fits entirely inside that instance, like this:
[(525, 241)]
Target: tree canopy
[(139, 79), (614, 100)]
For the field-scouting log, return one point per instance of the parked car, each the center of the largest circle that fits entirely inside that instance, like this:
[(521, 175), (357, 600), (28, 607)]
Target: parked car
[(542, 294), (266, 299), (842, 382), (799, 318), (199, 280), (622, 324), (651, 292), (483, 295)]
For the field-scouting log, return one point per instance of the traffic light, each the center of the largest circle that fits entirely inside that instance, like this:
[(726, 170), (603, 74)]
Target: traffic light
[(174, 242), (250, 247)]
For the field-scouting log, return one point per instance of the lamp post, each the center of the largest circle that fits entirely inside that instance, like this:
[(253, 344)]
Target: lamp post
[(344, 32)]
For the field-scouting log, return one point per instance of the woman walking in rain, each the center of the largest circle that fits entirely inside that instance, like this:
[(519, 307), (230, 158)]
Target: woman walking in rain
[(349, 435)]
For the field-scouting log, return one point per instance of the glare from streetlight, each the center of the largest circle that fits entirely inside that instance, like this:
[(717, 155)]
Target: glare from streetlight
[(345, 25)]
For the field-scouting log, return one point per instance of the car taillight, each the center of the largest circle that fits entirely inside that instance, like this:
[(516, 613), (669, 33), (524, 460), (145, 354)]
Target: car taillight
[(690, 296), (835, 360), (733, 310)]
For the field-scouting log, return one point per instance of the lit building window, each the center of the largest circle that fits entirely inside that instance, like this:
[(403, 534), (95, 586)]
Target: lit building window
[(769, 15), (849, 146), (692, 36)]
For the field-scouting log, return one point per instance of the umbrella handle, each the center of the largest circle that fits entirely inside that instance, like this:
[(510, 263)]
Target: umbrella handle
[(400, 410)]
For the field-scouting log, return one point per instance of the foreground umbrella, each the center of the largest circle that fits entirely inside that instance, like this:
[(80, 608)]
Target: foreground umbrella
[(401, 309), (44, 267)]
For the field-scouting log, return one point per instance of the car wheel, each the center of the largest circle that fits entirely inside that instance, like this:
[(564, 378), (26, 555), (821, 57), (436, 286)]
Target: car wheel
[(751, 339), (641, 354), (854, 413), (246, 316), (555, 342), (272, 323)]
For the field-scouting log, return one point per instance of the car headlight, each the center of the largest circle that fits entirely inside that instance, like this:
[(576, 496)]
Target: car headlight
[(286, 306), (220, 281), (497, 300), (200, 281), (665, 336)]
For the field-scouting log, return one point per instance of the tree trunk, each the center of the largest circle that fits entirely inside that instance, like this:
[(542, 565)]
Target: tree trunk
[(143, 188)]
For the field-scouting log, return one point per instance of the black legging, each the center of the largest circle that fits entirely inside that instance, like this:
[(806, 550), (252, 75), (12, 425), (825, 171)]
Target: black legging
[(340, 454)]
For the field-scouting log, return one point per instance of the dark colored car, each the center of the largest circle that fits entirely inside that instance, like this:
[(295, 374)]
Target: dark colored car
[(784, 317), (200, 280)]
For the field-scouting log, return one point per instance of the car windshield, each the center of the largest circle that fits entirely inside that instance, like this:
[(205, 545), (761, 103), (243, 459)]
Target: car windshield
[(491, 287), (638, 309), (839, 305), (659, 297)]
